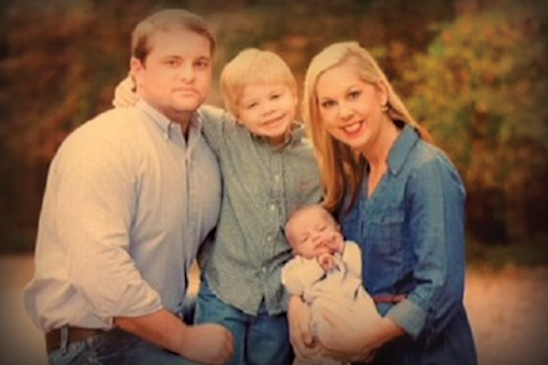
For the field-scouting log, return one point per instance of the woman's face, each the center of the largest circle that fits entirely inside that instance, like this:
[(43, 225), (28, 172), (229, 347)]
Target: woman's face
[(351, 109)]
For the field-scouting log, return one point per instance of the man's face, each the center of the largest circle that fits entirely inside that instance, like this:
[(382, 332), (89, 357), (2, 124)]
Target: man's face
[(176, 74)]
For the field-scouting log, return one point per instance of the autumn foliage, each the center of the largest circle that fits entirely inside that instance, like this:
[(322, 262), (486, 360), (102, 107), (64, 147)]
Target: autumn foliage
[(474, 72)]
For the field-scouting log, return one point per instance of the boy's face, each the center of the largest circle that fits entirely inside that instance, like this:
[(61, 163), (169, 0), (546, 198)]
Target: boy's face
[(176, 74), (267, 110), (313, 233)]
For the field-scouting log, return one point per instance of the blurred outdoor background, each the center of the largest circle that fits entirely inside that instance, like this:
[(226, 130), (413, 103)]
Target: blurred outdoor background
[(474, 72)]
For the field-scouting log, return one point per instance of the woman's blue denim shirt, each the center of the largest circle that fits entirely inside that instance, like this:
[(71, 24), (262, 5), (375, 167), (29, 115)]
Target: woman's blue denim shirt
[(411, 232)]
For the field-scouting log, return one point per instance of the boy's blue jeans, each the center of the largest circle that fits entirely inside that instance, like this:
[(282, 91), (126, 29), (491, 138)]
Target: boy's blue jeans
[(258, 340)]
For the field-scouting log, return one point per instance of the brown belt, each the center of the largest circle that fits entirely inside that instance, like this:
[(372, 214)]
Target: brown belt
[(75, 334), (389, 298)]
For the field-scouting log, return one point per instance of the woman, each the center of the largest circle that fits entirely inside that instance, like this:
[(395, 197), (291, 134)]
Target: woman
[(402, 200)]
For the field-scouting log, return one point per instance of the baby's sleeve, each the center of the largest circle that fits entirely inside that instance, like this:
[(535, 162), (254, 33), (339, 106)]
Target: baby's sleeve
[(352, 257)]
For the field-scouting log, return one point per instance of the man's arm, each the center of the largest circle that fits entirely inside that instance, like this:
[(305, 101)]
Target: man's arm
[(208, 343), (94, 196)]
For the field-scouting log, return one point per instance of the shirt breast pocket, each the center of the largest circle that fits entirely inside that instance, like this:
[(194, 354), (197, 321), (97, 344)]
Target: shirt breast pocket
[(385, 233), (350, 224)]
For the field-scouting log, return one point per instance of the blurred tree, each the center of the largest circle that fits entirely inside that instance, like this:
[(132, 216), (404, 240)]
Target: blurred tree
[(481, 88), (61, 60)]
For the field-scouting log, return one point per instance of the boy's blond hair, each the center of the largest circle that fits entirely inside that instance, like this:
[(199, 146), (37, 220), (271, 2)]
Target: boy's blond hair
[(253, 66), (164, 21)]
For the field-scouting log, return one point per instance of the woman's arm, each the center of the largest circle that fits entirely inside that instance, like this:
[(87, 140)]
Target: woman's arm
[(435, 207), (358, 346)]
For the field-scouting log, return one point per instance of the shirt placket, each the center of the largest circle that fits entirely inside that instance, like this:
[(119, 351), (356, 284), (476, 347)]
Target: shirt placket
[(275, 181)]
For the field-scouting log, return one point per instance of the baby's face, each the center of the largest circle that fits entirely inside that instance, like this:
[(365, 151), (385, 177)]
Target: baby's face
[(267, 110), (313, 233)]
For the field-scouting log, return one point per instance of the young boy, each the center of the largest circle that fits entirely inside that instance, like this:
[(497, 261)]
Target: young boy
[(268, 171), (326, 274)]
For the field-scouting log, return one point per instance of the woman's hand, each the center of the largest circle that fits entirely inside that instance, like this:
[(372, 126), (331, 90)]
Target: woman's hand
[(349, 346), (301, 338)]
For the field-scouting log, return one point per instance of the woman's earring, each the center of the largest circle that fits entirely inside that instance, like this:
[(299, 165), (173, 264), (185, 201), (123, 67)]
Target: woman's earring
[(384, 108)]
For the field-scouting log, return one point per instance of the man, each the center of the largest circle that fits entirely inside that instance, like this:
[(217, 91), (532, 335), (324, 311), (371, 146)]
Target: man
[(130, 196)]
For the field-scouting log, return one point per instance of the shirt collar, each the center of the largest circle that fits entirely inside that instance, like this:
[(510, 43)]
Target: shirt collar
[(401, 149), (165, 124)]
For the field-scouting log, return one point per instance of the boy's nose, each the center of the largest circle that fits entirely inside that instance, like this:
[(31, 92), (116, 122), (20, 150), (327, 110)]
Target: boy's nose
[(268, 109)]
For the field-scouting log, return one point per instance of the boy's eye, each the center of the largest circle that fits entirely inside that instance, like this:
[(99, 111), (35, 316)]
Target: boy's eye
[(251, 105)]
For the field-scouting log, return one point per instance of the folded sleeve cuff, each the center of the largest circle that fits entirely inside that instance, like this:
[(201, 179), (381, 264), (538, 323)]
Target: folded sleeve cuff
[(135, 301), (408, 316)]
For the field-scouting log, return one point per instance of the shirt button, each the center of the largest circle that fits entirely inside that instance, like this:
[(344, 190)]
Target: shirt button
[(269, 238), (272, 207), (277, 177)]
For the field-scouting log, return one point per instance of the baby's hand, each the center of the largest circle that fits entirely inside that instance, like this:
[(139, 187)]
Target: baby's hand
[(327, 261)]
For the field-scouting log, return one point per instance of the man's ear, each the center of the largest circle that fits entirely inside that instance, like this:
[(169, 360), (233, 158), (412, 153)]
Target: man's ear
[(136, 68)]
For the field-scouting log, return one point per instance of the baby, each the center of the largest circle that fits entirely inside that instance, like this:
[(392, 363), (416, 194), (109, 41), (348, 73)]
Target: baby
[(326, 273)]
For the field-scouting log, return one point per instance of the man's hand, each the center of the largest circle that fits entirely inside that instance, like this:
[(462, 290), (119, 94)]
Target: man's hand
[(207, 343)]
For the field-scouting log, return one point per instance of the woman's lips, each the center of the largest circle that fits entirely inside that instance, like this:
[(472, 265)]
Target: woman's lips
[(353, 129)]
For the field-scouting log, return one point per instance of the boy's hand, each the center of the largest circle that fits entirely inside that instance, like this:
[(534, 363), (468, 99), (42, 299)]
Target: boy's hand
[(124, 94)]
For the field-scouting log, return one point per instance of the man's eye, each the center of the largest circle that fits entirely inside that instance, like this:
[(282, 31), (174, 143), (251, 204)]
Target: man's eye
[(172, 63), (202, 64)]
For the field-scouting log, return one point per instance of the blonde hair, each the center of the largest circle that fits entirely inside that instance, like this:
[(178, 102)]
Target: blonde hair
[(253, 66), (164, 21), (341, 167)]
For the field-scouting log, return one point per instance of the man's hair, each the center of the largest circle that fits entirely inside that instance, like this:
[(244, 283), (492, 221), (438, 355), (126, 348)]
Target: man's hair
[(253, 66), (165, 21)]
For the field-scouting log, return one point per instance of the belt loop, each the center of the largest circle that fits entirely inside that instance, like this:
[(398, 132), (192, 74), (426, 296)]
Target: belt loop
[(64, 339)]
